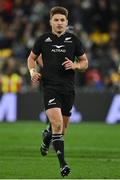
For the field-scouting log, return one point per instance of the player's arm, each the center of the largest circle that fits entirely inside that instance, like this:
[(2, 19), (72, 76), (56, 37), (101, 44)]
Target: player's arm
[(31, 63), (81, 64), (40, 61)]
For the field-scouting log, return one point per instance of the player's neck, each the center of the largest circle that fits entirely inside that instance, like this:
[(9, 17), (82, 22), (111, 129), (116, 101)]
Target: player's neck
[(58, 34)]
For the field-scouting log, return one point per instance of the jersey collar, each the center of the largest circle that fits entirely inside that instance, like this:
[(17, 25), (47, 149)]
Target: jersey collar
[(60, 35)]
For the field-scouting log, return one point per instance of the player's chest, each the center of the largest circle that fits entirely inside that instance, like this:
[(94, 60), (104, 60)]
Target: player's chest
[(57, 46)]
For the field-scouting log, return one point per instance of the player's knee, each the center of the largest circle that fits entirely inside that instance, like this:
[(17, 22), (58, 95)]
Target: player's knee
[(57, 127)]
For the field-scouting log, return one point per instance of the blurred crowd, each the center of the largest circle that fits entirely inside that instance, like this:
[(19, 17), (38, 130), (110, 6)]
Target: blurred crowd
[(95, 22)]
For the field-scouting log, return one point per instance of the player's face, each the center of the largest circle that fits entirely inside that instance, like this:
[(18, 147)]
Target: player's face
[(59, 23)]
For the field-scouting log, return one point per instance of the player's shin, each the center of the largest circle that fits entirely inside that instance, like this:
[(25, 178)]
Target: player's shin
[(58, 144), (47, 136)]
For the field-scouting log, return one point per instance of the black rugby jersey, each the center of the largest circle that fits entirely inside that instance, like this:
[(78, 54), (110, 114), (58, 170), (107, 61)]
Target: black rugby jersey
[(54, 49)]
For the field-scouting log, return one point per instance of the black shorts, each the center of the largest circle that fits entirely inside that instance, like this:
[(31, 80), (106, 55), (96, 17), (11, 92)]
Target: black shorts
[(54, 98)]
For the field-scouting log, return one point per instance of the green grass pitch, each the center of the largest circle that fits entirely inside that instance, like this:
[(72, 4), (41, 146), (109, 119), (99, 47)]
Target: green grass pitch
[(92, 151)]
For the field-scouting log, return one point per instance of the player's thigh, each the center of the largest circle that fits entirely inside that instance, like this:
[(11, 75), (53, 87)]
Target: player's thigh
[(55, 118)]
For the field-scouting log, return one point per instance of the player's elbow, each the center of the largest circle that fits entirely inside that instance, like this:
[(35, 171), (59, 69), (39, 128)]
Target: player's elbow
[(85, 66)]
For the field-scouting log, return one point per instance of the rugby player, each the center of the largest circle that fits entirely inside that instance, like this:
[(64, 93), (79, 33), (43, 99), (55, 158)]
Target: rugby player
[(58, 50)]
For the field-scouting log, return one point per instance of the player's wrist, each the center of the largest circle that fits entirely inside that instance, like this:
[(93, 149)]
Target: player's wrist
[(32, 71), (77, 66)]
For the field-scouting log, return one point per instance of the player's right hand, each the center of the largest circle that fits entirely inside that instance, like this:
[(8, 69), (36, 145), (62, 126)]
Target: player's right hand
[(35, 77)]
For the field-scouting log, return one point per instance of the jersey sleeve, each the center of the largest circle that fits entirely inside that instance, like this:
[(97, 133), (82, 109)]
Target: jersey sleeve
[(79, 49), (37, 48)]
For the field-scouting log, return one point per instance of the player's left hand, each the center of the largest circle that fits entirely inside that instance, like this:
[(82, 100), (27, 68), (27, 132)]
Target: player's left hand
[(68, 64)]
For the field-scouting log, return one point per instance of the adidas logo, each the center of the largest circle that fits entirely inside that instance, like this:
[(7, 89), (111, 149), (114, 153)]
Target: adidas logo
[(48, 39)]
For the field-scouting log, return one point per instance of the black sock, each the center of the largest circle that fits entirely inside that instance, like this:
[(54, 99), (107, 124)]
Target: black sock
[(49, 128), (47, 136), (58, 144)]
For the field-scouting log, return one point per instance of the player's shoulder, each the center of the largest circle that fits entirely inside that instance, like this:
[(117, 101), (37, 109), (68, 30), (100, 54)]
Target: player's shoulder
[(45, 36), (71, 34)]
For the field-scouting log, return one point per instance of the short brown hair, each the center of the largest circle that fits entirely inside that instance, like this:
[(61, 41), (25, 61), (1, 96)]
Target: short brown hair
[(58, 10)]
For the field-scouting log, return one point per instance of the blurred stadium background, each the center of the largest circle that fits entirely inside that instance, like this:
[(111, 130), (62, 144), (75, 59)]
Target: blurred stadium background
[(97, 24)]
